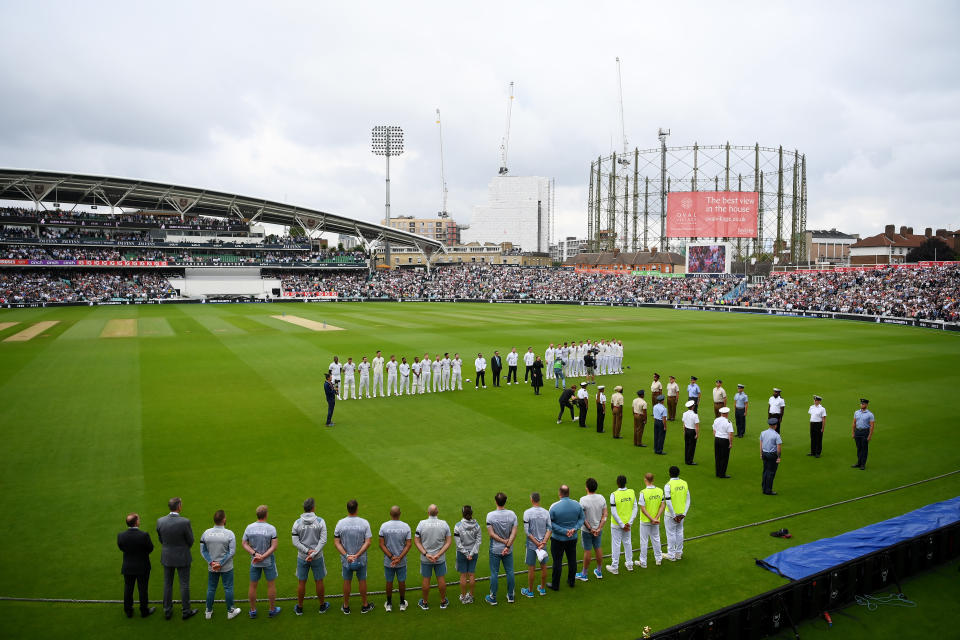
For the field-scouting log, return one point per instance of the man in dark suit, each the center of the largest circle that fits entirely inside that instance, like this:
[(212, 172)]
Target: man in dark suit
[(496, 366), (136, 546), (176, 536), (330, 390)]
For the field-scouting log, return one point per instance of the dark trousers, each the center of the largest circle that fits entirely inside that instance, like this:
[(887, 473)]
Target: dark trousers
[(184, 574), (558, 549), (769, 471), (696, 405), (639, 424), (583, 412), (140, 581), (860, 438), (330, 405), (511, 374), (526, 372), (496, 377), (778, 416), (564, 406), (816, 438), (741, 418), (601, 416), (721, 455), (659, 435), (481, 379), (689, 444)]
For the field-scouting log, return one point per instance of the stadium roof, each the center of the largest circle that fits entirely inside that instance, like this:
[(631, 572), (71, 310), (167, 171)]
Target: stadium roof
[(40, 187)]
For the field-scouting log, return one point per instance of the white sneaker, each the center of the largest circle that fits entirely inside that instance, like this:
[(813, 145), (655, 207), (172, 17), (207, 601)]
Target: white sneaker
[(403, 605), (388, 607), (671, 557), (208, 615), (612, 569), (658, 563), (233, 614), (629, 566), (643, 565)]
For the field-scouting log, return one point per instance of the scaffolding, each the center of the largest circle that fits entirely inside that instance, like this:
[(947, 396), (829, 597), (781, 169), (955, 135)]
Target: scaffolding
[(626, 207)]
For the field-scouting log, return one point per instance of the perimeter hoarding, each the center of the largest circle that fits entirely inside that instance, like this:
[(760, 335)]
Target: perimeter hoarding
[(712, 214)]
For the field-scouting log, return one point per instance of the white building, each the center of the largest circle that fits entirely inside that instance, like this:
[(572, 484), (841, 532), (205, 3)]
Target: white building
[(569, 246), (519, 210)]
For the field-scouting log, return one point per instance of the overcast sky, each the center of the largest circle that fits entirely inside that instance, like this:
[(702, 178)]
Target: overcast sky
[(277, 100)]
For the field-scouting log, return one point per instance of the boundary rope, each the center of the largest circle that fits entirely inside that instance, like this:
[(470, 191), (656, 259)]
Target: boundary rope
[(415, 588)]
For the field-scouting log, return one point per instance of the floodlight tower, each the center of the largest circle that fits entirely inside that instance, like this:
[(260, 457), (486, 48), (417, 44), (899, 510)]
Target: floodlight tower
[(387, 141)]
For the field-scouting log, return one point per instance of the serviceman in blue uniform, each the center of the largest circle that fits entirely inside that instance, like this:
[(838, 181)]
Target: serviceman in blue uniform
[(863, 424)]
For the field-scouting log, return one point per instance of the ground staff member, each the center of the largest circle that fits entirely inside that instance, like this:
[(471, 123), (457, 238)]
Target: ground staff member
[(676, 495), (659, 426), (309, 535), (218, 545), (395, 542), (502, 530), (722, 442), (770, 447), (260, 541), (818, 420), (623, 511), (651, 509), (433, 539), (741, 401), (863, 424)]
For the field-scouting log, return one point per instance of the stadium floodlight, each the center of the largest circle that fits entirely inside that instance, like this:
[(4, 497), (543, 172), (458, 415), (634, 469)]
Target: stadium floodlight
[(387, 141)]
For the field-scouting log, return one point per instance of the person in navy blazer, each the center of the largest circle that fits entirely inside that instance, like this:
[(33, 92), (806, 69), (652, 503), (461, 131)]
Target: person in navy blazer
[(496, 365), (136, 546)]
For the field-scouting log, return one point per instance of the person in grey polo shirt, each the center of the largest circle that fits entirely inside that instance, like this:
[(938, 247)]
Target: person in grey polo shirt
[(309, 535), (218, 545), (395, 542), (770, 447), (352, 538), (536, 527), (260, 541), (433, 540), (502, 529)]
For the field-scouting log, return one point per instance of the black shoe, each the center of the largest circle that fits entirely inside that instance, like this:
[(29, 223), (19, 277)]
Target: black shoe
[(553, 587), (723, 476), (816, 455), (129, 614), (809, 454), (168, 614), (855, 466), (189, 613), (571, 584), (692, 464), (642, 445), (149, 612), (618, 437), (863, 467), (769, 493)]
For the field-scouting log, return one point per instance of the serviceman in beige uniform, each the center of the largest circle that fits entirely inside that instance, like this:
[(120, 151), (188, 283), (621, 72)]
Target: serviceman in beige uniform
[(616, 407), (719, 398), (656, 388), (673, 396), (639, 419)]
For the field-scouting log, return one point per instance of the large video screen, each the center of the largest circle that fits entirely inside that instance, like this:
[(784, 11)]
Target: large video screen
[(708, 258), (712, 214)]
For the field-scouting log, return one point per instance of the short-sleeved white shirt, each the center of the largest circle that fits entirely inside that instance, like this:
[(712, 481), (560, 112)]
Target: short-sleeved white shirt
[(722, 428), (690, 419), (776, 404), (817, 413)]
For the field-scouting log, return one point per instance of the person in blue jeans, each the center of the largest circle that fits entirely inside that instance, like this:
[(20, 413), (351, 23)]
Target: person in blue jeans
[(502, 529), (559, 380), (218, 545)]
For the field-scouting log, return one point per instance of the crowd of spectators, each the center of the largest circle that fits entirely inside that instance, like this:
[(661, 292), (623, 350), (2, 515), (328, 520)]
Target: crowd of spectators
[(118, 219), (60, 285), (171, 255), (927, 293)]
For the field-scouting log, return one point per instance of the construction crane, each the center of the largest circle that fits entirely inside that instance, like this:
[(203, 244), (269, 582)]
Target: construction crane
[(625, 158), (443, 179), (505, 141)]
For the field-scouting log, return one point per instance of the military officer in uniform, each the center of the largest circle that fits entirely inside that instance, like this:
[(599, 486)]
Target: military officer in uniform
[(740, 404), (770, 447), (818, 420), (863, 424), (719, 398)]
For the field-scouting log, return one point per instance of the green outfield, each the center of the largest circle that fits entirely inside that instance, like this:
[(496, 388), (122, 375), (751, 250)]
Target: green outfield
[(116, 409)]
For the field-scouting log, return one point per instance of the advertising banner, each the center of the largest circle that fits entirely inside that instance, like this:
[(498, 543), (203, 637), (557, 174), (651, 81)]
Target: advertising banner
[(310, 294), (712, 214)]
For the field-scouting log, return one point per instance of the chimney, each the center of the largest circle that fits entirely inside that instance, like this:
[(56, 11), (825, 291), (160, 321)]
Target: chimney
[(943, 233), (910, 230), (928, 232), (889, 230), (903, 230)]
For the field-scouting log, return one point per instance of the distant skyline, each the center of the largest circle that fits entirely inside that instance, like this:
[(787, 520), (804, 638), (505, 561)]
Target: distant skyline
[(277, 100)]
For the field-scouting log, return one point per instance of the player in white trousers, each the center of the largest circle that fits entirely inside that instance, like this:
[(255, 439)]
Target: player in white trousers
[(404, 369), (392, 366), (377, 374), (364, 388), (425, 374), (416, 370), (623, 511), (548, 357), (334, 370), (456, 372), (676, 495), (651, 506), (437, 374), (445, 372), (528, 359), (349, 384)]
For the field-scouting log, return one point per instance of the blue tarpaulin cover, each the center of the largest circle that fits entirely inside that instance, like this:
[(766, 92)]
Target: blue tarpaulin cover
[(815, 557)]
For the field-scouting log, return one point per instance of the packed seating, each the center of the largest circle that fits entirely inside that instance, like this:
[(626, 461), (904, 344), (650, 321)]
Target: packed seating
[(61, 285)]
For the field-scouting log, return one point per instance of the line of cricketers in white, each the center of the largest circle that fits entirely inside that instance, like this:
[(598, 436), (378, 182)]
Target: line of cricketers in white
[(447, 373)]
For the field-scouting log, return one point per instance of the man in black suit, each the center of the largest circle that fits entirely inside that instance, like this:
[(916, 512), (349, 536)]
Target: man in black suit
[(330, 390), (496, 365), (136, 546), (176, 536)]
